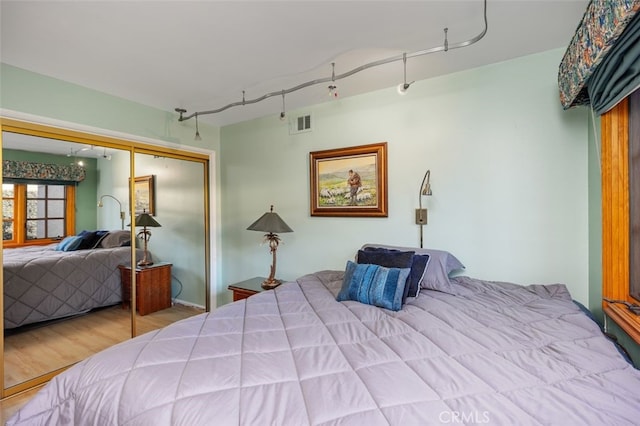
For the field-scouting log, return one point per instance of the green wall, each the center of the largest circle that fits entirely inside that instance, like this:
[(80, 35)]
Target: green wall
[(595, 219), (86, 204), (508, 174)]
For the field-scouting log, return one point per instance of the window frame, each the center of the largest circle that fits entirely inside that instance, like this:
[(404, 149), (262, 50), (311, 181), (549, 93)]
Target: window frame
[(616, 237), (20, 216)]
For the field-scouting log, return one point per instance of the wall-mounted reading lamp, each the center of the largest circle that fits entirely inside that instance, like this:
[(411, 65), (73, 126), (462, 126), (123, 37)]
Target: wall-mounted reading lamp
[(119, 204), (421, 214)]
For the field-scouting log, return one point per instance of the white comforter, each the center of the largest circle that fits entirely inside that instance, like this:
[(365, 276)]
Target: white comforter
[(501, 355)]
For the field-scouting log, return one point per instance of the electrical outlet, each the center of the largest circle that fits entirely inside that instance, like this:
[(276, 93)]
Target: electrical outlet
[(421, 216)]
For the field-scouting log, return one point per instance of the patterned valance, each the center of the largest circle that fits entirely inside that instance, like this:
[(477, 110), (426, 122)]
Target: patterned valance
[(24, 170), (602, 24)]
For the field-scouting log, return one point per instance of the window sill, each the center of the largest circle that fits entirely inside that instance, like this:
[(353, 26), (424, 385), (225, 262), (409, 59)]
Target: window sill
[(628, 321)]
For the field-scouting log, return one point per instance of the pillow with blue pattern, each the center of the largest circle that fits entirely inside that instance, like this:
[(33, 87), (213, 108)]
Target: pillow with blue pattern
[(374, 285)]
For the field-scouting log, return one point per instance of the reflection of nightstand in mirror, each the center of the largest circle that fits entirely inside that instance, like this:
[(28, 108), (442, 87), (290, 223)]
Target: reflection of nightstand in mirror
[(246, 288), (153, 287)]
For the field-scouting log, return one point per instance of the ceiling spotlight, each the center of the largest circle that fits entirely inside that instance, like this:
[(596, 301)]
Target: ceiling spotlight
[(180, 111), (333, 89), (403, 87), (105, 155), (197, 138), (282, 114)]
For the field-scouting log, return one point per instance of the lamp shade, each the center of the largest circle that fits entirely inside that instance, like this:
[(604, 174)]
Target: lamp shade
[(270, 222), (145, 219)]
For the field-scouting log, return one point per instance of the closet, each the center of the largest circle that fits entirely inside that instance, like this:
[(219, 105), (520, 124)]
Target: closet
[(33, 355)]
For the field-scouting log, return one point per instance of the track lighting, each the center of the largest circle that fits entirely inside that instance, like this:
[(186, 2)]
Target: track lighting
[(282, 114), (402, 88), (197, 138), (333, 89)]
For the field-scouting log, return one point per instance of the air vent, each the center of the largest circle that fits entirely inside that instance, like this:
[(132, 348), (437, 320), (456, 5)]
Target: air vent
[(300, 124)]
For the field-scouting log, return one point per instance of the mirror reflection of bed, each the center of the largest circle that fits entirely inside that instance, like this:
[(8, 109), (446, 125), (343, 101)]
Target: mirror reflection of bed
[(67, 304)]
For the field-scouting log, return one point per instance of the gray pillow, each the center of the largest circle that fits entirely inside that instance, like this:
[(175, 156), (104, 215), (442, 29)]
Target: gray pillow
[(436, 275), (116, 239)]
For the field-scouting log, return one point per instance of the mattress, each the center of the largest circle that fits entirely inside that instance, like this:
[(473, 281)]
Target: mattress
[(41, 283), (500, 354)]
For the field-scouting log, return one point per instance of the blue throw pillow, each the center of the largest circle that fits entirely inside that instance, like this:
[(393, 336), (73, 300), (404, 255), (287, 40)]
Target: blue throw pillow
[(386, 258), (90, 239), (70, 243), (418, 269), (398, 259), (389, 259), (374, 285)]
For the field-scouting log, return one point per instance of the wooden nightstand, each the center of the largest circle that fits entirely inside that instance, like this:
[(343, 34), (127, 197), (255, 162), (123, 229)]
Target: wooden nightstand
[(246, 288), (153, 287)]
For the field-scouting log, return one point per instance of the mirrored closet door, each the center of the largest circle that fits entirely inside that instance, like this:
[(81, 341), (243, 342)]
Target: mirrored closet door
[(72, 244), (174, 283)]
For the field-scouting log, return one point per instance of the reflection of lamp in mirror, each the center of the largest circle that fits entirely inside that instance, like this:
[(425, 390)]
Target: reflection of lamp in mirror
[(144, 219), (119, 204), (271, 223), (421, 214)]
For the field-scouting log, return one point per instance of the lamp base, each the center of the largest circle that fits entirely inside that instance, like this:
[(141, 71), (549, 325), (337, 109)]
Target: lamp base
[(145, 263), (268, 284)]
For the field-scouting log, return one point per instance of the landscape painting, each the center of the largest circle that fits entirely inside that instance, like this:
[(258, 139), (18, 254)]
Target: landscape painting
[(349, 181)]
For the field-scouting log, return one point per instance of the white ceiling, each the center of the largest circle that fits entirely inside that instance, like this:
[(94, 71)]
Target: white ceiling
[(201, 55)]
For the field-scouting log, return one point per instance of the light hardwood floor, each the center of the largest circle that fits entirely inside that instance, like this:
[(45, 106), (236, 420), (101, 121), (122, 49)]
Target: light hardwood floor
[(34, 352)]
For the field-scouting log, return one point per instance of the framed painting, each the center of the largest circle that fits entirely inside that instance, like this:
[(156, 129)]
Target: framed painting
[(143, 188), (349, 181)]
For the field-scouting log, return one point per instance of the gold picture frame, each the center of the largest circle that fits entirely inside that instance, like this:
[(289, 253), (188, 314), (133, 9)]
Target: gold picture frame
[(349, 181), (144, 190)]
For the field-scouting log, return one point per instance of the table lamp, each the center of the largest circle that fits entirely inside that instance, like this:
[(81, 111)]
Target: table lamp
[(271, 223)]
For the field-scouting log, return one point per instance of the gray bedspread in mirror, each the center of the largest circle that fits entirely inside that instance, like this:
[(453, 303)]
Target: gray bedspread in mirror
[(42, 284), (502, 354)]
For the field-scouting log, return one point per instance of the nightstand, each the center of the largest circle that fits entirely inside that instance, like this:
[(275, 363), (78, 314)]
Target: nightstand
[(246, 288), (153, 287)]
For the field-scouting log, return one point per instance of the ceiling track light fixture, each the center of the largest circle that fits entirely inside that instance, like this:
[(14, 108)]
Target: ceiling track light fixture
[(282, 114), (444, 48), (197, 137), (403, 87), (333, 89)]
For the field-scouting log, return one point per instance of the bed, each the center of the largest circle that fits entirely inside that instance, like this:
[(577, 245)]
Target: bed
[(80, 273), (470, 352)]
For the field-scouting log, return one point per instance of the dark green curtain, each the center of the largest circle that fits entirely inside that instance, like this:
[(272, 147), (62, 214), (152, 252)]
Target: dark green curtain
[(618, 75)]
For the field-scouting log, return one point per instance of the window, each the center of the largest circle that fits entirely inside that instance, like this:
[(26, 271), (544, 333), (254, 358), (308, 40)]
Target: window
[(634, 195), (36, 213), (620, 236)]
